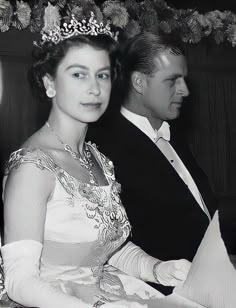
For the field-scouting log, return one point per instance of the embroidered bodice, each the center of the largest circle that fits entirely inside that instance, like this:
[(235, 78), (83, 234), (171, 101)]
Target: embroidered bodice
[(85, 226), (85, 223)]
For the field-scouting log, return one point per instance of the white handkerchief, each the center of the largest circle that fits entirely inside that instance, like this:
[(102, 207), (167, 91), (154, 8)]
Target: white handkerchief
[(211, 281)]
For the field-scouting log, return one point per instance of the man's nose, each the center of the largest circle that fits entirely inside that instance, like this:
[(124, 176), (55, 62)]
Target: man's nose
[(184, 88), (94, 87)]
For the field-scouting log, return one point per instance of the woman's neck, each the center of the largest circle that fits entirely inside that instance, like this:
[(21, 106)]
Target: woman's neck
[(70, 131)]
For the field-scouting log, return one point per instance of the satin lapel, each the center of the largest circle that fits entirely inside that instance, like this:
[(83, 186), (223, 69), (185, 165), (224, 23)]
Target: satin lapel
[(186, 156)]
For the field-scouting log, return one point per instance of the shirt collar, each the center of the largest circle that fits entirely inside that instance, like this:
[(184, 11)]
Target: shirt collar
[(144, 125)]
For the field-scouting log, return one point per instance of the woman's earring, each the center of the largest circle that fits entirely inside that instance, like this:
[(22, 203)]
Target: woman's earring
[(50, 92)]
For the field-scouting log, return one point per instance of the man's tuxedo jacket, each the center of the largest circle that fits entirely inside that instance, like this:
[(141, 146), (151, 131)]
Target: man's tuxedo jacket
[(167, 222)]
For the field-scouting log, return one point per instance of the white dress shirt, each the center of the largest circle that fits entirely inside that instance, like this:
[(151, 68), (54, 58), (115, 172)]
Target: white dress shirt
[(161, 138)]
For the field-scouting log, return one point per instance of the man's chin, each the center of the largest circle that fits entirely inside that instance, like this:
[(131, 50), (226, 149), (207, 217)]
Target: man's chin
[(175, 113)]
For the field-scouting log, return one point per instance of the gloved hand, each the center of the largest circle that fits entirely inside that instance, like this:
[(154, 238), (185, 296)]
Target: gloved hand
[(172, 273)]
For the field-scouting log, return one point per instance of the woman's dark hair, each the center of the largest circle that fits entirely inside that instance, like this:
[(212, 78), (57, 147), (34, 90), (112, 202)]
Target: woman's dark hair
[(47, 58), (138, 54)]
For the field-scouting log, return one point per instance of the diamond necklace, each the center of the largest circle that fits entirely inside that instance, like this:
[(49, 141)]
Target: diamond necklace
[(85, 161)]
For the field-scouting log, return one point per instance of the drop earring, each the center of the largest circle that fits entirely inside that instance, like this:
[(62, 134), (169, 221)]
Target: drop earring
[(50, 92)]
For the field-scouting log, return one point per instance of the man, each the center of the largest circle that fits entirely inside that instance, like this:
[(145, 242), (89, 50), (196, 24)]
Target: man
[(166, 195)]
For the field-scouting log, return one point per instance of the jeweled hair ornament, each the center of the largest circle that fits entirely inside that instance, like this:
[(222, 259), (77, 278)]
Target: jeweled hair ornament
[(75, 27)]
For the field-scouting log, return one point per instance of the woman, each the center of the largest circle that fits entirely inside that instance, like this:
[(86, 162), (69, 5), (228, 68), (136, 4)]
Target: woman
[(64, 221)]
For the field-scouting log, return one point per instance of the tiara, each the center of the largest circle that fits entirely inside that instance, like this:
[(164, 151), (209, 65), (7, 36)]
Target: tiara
[(75, 27)]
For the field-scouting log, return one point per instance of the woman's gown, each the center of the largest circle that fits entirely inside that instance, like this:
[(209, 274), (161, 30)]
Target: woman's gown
[(85, 224)]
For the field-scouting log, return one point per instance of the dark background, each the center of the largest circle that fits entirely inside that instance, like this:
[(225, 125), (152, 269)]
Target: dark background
[(203, 6)]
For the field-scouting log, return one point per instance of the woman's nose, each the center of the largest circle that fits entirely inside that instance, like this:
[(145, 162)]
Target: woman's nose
[(94, 87)]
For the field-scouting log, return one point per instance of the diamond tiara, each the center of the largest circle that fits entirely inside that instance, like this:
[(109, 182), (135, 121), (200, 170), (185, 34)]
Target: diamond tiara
[(75, 27)]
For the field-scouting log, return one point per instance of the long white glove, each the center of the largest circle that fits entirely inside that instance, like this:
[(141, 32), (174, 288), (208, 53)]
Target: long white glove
[(24, 286), (132, 260), (22, 281)]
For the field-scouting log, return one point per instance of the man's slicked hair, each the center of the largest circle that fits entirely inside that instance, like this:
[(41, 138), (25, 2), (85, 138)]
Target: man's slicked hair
[(138, 54)]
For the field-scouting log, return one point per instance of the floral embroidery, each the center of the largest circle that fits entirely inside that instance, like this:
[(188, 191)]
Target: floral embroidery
[(102, 205), (14, 161), (111, 284), (107, 211), (36, 156), (2, 290), (94, 194), (107, 164), (67, 181)]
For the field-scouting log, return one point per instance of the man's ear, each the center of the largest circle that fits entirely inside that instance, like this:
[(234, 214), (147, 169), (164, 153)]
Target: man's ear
[(138, 82), (48, 82)]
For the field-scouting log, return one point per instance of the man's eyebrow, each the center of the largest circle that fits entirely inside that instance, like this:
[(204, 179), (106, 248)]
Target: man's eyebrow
[(86, 68), (174, 76)]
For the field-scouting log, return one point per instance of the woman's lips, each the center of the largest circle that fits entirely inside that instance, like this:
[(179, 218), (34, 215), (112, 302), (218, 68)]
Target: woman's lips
[(92, 105)]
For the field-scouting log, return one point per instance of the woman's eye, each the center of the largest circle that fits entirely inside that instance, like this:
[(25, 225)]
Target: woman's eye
[(104, 76), (79, 75)]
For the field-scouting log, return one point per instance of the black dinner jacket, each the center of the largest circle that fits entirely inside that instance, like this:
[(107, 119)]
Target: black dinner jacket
[(166, 220)]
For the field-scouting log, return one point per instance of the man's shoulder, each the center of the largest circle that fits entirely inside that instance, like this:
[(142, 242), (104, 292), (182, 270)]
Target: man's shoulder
[(118, 127)]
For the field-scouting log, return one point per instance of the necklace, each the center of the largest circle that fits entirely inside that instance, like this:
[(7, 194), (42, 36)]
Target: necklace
[(85, 159)]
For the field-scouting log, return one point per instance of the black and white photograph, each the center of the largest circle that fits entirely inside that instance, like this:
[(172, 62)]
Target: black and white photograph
[(118, 154)]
